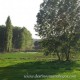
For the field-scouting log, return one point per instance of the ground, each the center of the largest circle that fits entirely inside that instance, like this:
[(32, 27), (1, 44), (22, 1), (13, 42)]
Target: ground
[(36, 66)]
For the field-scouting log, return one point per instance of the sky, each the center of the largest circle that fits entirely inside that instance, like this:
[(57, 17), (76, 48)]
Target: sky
[(21, 12)]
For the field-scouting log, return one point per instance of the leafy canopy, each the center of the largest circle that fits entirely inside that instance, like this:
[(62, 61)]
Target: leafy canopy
[(58, 25)]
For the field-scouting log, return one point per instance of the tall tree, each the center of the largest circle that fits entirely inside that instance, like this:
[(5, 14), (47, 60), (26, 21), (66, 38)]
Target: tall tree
[(9, 34), (58, 25), (16, 37), (25, 39), (2, 37)]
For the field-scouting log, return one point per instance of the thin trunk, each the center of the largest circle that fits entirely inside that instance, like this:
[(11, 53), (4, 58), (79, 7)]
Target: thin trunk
[(68, 56), (58, 56)]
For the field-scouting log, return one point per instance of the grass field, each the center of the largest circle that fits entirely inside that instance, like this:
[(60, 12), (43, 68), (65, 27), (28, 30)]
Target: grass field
[(36, 66)]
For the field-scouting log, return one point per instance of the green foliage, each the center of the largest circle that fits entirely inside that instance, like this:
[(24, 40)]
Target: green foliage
[(2, 37), (22, 39), (9, 34), (58, 24), (14, 38), (25, 39), (37, 44)]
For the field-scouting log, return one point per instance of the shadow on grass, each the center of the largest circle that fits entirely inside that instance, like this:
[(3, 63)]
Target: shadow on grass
[(17, 72)]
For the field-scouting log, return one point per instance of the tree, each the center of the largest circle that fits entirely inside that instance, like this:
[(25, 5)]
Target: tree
[(58, 25), (9, 34), (37, 44), (22, 39), (25, 39), (16, 37), (2, 37)]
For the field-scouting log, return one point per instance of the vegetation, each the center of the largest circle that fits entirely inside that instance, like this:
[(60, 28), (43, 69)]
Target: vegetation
[(58, 24), (14, 66), (14, 38), (2, 37), (25, 39), (22, 39), (37, 44), (8, 42)]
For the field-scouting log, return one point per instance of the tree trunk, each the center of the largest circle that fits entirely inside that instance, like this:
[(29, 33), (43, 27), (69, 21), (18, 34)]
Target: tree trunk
[(58, 56), (68, 56)]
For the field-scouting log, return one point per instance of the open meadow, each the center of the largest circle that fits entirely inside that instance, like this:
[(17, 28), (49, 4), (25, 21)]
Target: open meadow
[(36, 66)]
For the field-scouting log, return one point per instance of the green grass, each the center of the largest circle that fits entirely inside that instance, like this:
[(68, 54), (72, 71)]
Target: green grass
[(16, 66)]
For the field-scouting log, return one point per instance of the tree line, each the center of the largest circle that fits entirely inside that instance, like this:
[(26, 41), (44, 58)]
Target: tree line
[(14, 38)]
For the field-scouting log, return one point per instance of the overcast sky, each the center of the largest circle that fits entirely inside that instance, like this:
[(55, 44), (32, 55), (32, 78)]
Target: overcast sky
[(22, 13)]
